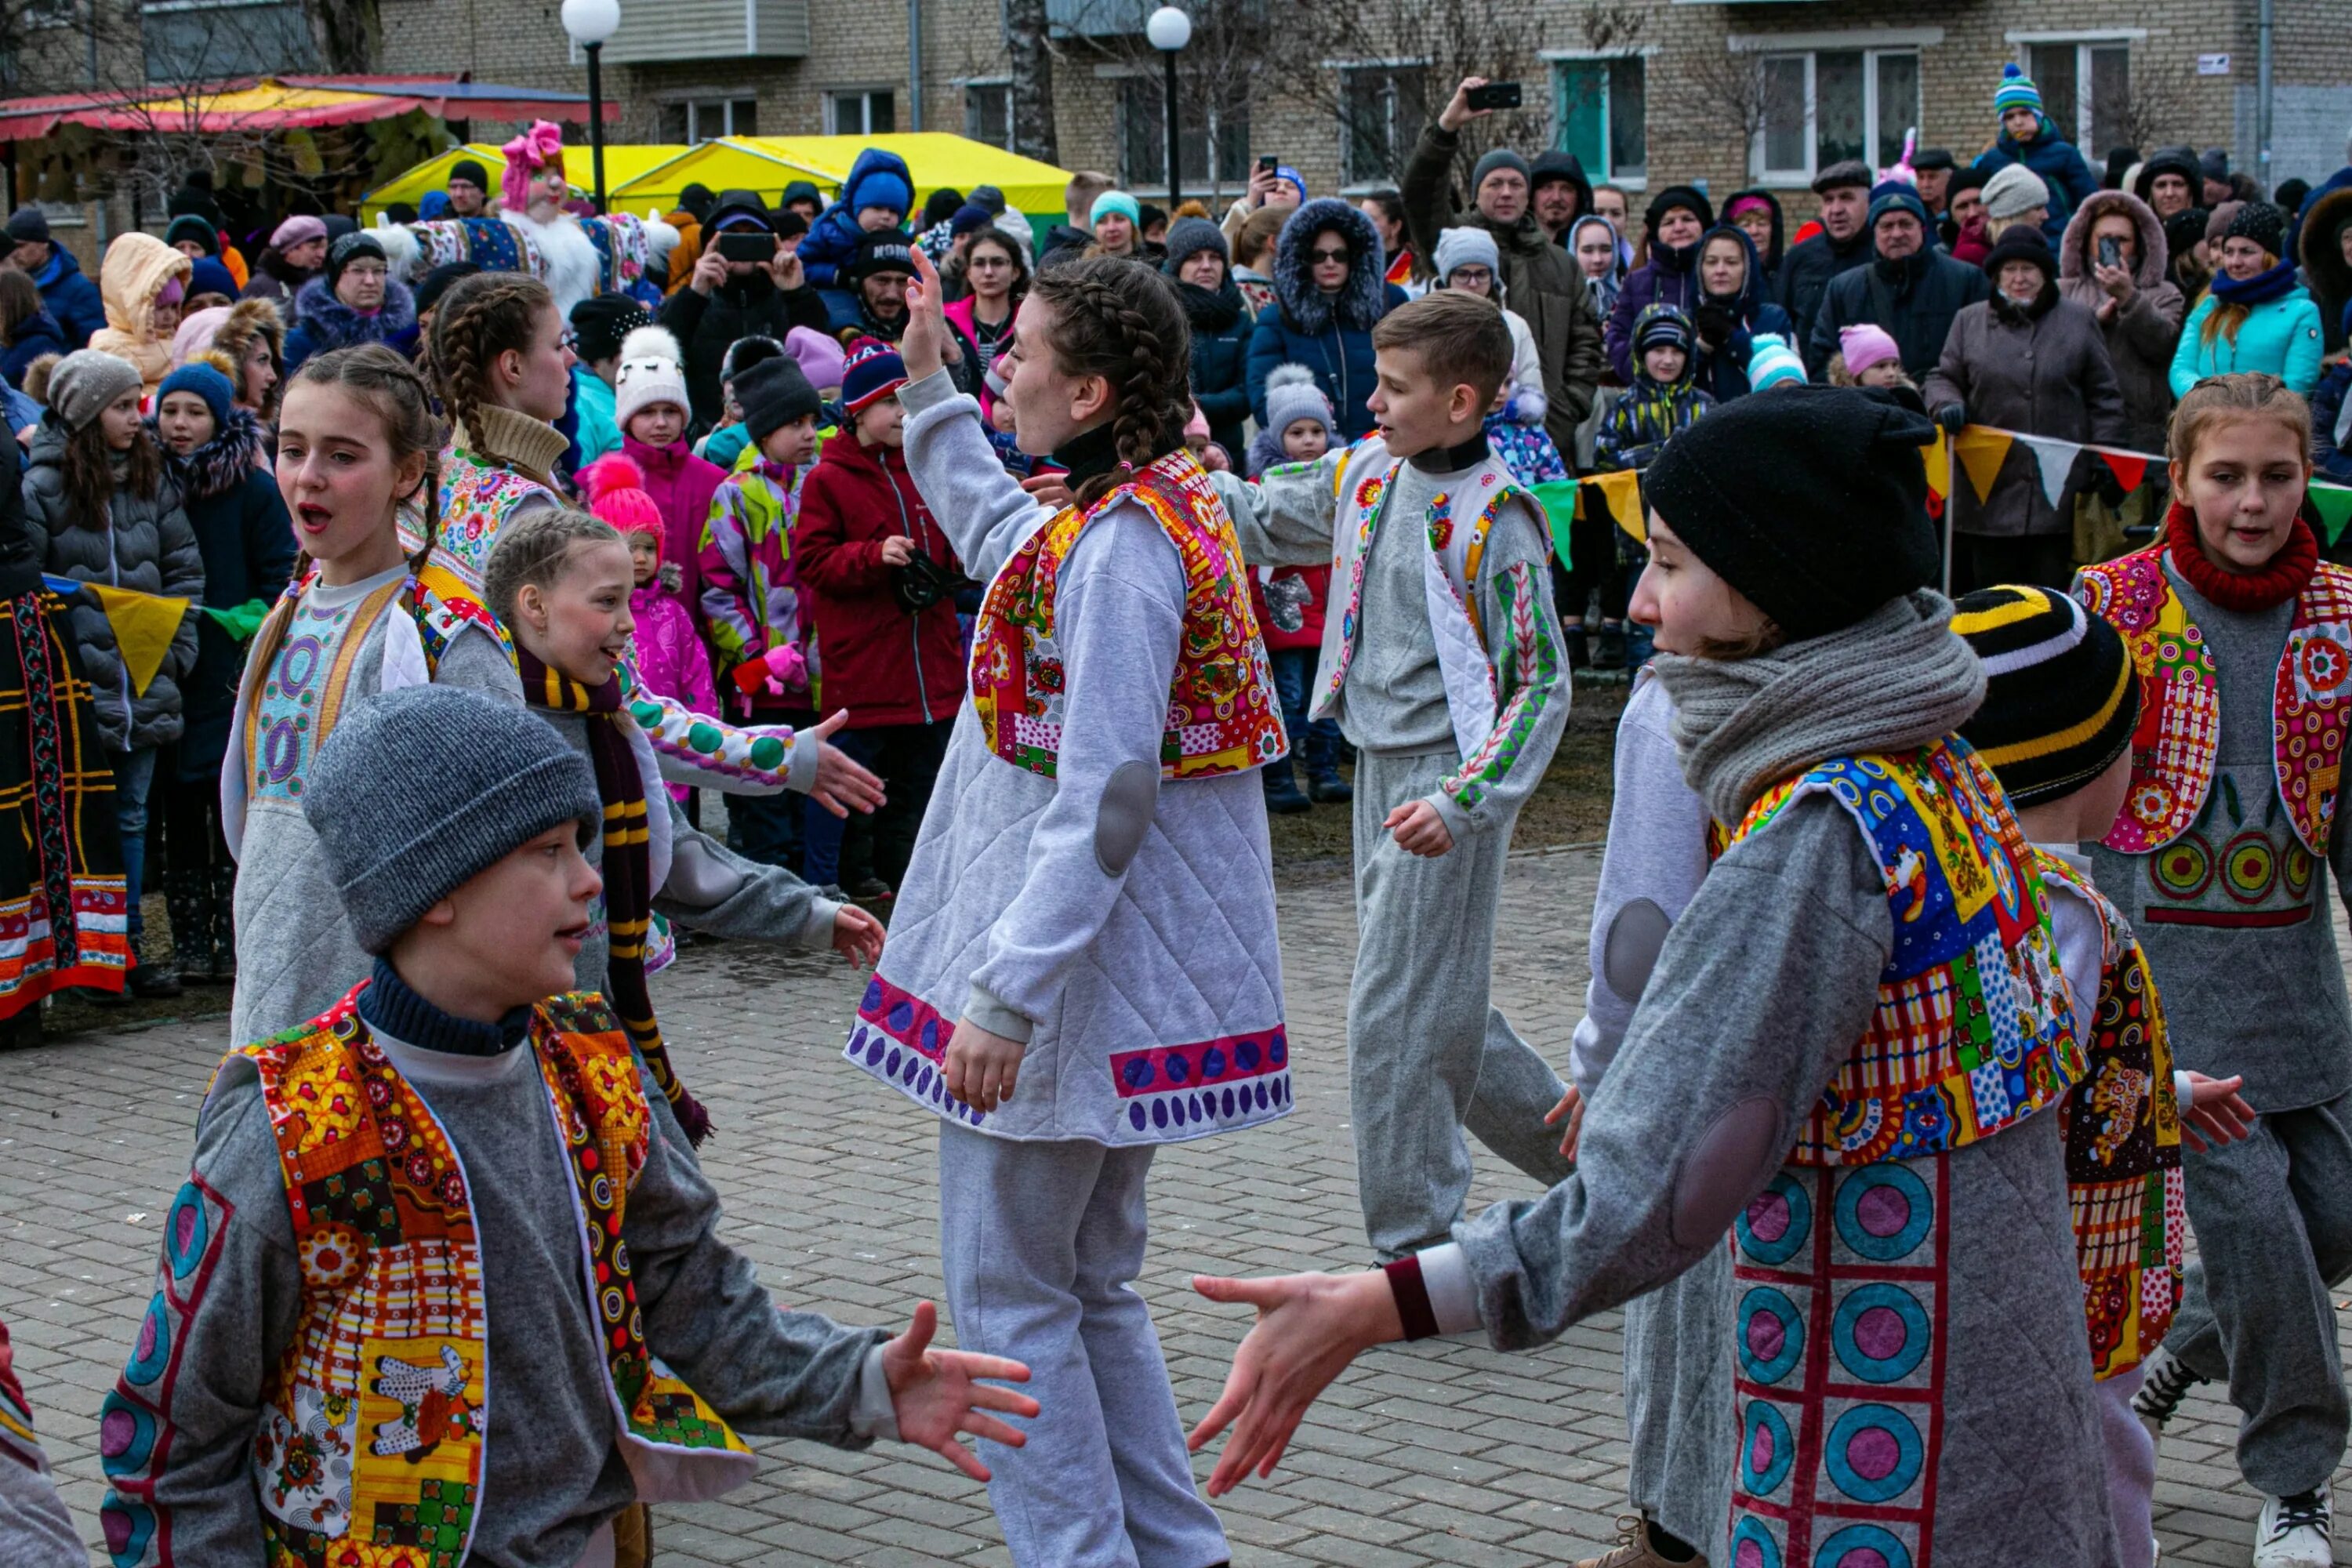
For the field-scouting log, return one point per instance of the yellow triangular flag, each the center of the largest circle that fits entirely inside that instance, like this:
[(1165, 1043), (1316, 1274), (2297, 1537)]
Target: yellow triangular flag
[(1939, 459), (144, 625), (1623, 491), (1981, 452)]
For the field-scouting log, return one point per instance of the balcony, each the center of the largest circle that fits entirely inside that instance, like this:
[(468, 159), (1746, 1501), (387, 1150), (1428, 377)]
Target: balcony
[(652, 31)]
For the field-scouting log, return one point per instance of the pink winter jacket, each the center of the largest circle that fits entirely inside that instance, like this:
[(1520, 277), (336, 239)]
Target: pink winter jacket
[(681, 485), (671, 660)]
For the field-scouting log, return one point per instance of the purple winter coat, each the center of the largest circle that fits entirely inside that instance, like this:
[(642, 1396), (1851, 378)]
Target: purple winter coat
[(1670, 277)]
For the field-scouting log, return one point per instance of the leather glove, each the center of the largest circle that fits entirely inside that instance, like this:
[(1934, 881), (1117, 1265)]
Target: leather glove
[(1951, 416)]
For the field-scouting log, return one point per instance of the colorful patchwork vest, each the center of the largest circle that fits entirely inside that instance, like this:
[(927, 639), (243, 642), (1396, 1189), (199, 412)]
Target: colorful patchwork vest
[(476, 498), (2123, 1150), (1457, 525), (2179, 734), (372, 1428), (1223, 716), (1973, 1032)]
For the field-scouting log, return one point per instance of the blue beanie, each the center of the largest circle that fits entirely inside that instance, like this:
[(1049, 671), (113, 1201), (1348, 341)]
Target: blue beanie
[(882, 188), (1294, 179), (2016, 90), (203, 380), (207, 276), (1662, 327), (872, 372), (1115, 202), (1897, 195)]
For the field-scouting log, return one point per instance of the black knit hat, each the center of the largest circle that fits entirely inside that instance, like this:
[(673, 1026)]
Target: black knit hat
[(2261, 222), (883, 250), (2060, 700), (28, 226), (1968, 179), (440, 280), (471, 171), (348, 249), (2183, 229), (773, 394), (1812, 503), (1690, 198), (602, 320), (2021, 243)]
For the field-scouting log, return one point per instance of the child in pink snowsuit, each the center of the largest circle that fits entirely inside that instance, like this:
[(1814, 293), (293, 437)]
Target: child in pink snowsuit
[(671, 659)]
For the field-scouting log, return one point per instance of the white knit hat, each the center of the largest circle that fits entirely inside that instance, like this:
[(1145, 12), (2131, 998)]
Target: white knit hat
[(650, 373)]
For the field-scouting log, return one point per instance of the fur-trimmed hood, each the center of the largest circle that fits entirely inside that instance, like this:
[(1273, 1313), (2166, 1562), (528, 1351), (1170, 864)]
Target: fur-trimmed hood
[(222, 464), (1360, 302), (329, 324), (2323, 254), (2074, 248)]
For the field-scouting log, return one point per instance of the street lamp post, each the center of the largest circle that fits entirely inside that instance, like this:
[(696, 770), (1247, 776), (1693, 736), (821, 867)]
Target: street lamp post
[(1169, 31), (590, 23)]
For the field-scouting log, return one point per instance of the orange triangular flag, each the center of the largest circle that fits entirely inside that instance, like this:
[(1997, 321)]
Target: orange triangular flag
[(1981, 452), (1939, 459), (1622, 493), (2128, 470)]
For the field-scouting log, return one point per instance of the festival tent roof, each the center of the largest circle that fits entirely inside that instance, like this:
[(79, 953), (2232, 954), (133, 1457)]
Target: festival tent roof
[(621, 162), (285, 103), (767, 164)]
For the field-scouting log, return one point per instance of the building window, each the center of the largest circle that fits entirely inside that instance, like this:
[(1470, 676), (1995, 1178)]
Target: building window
[(865, 111), (1829, 105), (1213, 142), (707, 119), (988, 112), (2085, 92), (1384, 114), (1600, 114)]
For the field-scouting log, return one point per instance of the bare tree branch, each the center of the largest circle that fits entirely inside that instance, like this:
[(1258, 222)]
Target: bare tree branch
[(1026, 39)]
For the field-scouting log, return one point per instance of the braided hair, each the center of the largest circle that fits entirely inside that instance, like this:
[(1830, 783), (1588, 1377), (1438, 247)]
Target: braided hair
[(480, 318), (1122, 321), (391, 386)]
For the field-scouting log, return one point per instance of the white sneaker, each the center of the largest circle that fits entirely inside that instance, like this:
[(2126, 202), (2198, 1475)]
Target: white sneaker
[(2295, 1531), (2165, 1380)]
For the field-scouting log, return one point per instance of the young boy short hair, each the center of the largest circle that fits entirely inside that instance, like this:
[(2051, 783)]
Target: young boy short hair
[(1442, 662), (455, 1168)]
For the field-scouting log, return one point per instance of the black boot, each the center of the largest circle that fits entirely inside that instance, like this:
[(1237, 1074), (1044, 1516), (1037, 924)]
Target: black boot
[(1611, 654), (188, 895), (1281, 794), (1579, 649), (220, 967), (153, 978), (1328, 788)]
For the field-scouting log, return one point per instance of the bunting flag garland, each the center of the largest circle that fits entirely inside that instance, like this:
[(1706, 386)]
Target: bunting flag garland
[(2129, 470), (2333, 505), (1937, 456), (1558, 498), (1982, 451), (145, 623), (1620, 492), (2056, 458)]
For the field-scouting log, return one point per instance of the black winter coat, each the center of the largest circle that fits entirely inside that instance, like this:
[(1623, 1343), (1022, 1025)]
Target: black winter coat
[(707, 325), (1806, 272), (1221, 342), (248, 544), (1921, 294)]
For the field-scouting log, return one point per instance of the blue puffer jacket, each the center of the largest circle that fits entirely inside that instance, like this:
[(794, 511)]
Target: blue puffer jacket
[(37, 335), (72, 297), (2279, 337), (835, 233), (2058, 163), (1329, 334)]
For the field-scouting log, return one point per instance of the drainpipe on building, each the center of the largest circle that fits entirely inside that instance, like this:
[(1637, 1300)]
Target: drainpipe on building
[(2262, 98), (915, 62)]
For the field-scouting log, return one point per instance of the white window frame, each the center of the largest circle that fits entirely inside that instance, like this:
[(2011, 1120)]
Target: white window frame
[(2084, 40), (1407, 134), (1555, 57), (699, 104), (1878, 157), (837, 98)]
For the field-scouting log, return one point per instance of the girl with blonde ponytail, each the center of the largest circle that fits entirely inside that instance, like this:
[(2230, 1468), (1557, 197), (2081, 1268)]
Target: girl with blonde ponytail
[(1083, 962)]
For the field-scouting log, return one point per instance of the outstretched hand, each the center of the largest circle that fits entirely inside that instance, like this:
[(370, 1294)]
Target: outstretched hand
[(1310, 1327), (923, 345), (842, 784), (937, 1396), (1572, 1107), (2216, 1110)]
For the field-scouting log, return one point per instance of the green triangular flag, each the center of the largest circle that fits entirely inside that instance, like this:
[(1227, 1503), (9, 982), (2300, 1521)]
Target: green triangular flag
[(2333, 505), (1558, 498)]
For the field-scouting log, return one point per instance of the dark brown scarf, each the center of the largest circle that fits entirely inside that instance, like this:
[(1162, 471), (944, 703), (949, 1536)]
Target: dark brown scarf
[(628, 869)]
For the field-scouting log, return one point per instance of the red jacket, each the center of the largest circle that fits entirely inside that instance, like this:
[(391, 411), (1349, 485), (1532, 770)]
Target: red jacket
[(1309, 634), (681, 485), (883, 664)]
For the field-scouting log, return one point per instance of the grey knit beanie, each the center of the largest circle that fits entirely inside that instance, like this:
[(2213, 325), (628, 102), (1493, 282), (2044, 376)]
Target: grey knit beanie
[(84, 381), (2016, 189), (1188, 236), (1466, 248), (1292, 395), (420, 790), (1497, 158)]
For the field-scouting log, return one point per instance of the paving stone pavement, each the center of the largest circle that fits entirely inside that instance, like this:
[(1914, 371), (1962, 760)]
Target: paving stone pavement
[(1442, 1453)]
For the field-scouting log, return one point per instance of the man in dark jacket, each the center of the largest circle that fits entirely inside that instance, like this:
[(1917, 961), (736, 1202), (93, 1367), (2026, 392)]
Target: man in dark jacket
[(726, 300), (1842, 245), (1540, 278), (1935, 167), (69, 295), (1559, 191), (1910, 287)]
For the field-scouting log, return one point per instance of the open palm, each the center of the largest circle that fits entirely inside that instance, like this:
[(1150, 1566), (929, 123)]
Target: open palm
[(937, 1396)]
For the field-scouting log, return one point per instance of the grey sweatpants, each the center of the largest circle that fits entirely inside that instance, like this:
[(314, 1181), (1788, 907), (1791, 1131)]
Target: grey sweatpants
[(1039, 1241), (1682, 1412), (1428, 1055), (2272, 1215)]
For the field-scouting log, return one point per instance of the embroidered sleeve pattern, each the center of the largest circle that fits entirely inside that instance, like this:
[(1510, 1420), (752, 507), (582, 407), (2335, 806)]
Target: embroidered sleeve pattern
[(1527, 674), (751, 758)]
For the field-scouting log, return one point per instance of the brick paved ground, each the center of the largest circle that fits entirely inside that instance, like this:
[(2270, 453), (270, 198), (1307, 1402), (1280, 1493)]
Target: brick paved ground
[(1441, 1454)]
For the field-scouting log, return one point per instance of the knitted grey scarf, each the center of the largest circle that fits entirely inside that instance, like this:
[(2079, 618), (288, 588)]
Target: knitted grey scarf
[(1894, 679)]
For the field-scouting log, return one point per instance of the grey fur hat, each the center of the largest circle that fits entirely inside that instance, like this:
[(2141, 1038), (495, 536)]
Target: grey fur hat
[(422, 789)]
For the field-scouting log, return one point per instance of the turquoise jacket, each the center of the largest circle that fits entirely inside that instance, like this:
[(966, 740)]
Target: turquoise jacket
[(2280, 336), (592, 400)]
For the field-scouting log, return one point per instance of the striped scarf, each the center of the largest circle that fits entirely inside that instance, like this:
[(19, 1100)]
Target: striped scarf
[(627, 869)]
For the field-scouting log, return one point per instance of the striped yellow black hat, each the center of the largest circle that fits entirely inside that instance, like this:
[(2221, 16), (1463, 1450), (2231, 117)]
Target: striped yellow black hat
[(2060, 698)]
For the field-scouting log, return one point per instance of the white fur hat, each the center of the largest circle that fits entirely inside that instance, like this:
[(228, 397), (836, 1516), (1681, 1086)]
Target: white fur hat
[(652, 371)]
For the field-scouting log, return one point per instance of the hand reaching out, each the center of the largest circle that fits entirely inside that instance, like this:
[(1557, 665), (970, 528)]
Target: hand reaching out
[(1572, 1105), (843, 785), (1310, 1327), (937, 1396), (857, 936), (923, 345), (2216, 1110)]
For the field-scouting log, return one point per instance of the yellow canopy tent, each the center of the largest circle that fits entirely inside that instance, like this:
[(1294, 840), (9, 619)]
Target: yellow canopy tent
[(767, 164), (622, 164)]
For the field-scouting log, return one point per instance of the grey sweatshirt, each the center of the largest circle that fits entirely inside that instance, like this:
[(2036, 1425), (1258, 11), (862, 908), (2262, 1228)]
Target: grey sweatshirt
[(2242, 856), (1760, 993), (1394, 701), (35, 1530), (554, 1473)]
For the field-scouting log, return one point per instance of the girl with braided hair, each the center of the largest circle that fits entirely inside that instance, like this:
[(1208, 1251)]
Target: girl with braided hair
[(358, 456), (1090, 912), (500, 362)]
